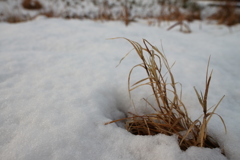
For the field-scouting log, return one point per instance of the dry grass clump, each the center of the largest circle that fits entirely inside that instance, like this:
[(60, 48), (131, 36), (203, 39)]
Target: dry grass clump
[(175, 13), (170, 115), (184, 27), (14, 19), (32, 4), (227, 14)]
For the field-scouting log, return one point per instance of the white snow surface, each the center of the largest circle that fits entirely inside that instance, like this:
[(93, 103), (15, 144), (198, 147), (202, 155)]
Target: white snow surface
[(59, 85)]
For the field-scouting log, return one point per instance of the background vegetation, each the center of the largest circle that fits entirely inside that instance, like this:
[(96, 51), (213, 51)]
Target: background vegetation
[(156, 11)]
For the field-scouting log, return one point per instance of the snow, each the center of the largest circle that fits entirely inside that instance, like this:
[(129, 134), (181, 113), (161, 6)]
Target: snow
[(59, 84)]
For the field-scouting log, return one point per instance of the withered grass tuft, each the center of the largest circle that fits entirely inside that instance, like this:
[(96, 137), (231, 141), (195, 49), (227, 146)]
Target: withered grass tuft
[(170, 115)]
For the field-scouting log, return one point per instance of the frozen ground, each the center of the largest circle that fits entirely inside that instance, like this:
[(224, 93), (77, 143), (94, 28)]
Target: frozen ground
[(59, 85)]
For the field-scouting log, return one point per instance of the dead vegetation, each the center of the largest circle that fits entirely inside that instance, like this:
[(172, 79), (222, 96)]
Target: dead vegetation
[(181, 12), (227, 14), (170, 116), (32, 4)]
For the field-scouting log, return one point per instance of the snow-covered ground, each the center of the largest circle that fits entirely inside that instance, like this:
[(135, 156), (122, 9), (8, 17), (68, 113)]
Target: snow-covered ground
[(59, 85)]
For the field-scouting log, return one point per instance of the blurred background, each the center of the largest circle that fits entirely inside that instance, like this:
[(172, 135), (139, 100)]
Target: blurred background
[(155, 11)]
